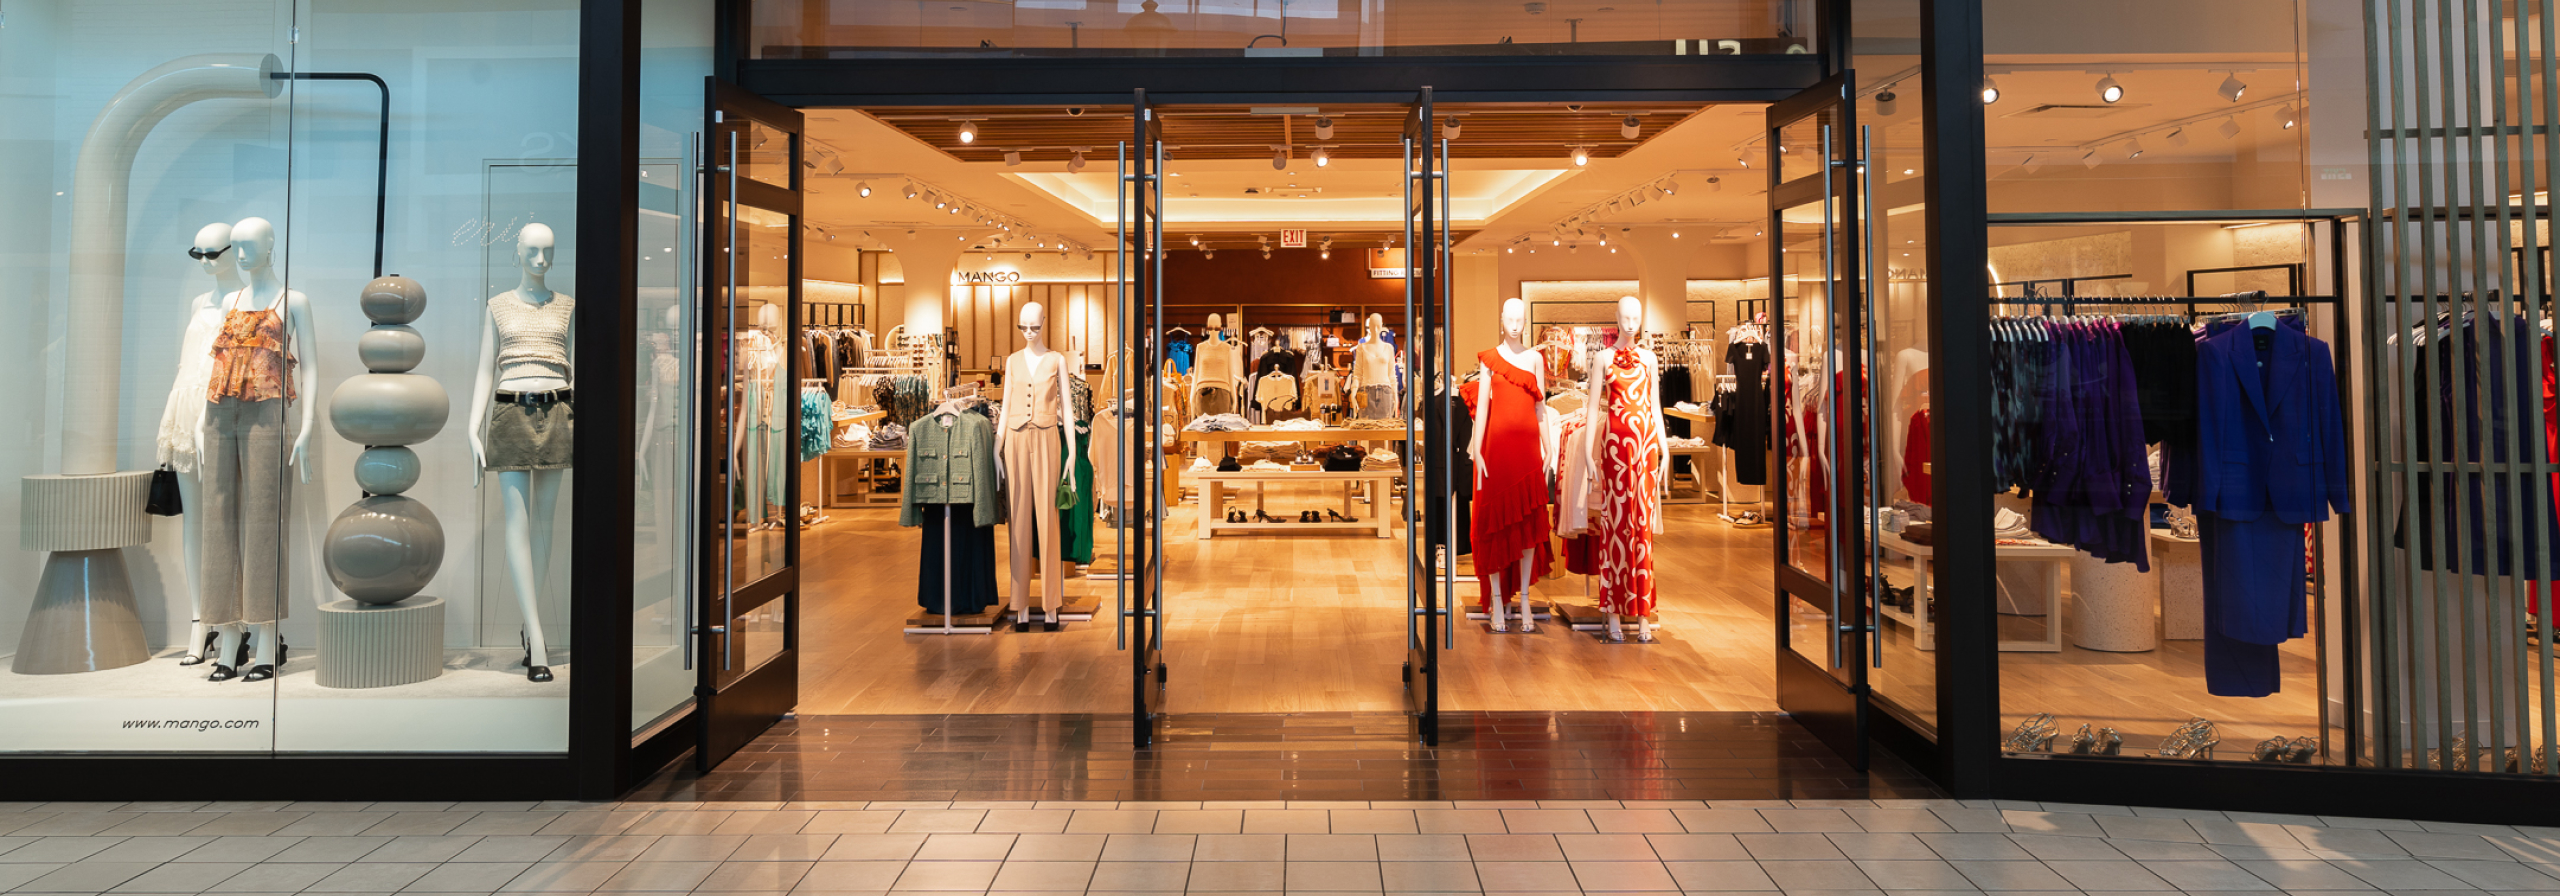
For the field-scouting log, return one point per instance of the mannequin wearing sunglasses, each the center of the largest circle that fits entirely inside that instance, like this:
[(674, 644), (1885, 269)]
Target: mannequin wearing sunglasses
[(248, 445), (182, 419)]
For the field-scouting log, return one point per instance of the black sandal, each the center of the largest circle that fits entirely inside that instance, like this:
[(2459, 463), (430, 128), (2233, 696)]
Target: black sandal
[(1339, 518)]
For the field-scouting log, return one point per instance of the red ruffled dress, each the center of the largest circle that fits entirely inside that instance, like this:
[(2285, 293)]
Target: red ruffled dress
[(1510, 510)]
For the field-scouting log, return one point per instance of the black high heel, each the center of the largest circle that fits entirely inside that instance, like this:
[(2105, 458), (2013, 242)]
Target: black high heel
[(204, 651), (532, 672), (1339, 518)]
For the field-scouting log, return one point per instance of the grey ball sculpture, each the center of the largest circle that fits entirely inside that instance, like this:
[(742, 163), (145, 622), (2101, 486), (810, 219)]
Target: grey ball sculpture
[(387, 546)]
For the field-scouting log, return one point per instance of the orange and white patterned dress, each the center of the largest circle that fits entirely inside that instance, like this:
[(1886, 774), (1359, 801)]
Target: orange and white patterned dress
[(1630, 472)]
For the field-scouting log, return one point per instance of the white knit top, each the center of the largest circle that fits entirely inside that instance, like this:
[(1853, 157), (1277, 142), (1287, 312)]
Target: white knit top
[(183, 418), (533, 340)]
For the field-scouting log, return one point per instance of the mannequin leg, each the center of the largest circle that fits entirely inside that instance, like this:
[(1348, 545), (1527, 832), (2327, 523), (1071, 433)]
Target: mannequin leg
[(263, 638), (1493, 604), (545, 507), (226, 652), (191, 536), (515, 488), (1615, 633), (1528, 623)]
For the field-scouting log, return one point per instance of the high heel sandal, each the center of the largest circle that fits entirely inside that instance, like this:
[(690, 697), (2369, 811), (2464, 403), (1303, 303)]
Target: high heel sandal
[(2270, 750), (2302, 749), (532, 672), (1333, 517), (261, 671), (2084, 742), (203, 651), (1261, 517), (2193, 740), (2035, 735)]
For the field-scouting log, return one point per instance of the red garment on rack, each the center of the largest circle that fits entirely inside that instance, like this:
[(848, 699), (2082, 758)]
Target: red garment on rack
[(1510, 509), (1915, 457)]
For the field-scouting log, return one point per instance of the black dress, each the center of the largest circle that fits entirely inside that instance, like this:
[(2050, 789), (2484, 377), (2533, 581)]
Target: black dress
[(1749, 438)]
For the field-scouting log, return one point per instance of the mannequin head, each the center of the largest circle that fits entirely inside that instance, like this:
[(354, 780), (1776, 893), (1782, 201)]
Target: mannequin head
[(1375, 323), (675, 317), (533, 250), (1216, 323), (254, 244), (1034, 322), (769, 317), (1630, 320), (1515, 319), (213, 252)]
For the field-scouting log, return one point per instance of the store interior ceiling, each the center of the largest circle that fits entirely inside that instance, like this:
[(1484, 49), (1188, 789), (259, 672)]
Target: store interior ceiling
[(1241, 173)]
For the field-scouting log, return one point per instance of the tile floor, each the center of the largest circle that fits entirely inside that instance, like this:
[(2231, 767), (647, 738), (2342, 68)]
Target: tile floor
[(1849, 846)]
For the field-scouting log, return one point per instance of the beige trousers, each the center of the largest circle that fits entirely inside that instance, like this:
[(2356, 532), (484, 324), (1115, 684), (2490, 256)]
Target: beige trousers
[(1033, 458)]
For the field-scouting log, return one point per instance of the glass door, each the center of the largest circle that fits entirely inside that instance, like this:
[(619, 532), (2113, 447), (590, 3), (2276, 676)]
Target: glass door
[(1139, 598), (1431, 437), (1817, 277), (749, 628)]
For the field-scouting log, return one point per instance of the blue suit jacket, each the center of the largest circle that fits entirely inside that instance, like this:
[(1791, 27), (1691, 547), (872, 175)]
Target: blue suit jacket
[(2271, 442)]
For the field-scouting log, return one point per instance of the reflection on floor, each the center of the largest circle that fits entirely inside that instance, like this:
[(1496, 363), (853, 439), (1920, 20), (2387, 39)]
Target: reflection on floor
[(1326, 756), (1288, 623)]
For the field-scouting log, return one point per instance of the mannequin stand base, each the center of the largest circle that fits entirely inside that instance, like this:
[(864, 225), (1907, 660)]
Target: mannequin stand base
[(368, 646), (1079, 609), (920, 622), (1513, 630), (1589, 619), (1603, 637), (1034, 619), (1538, 610), (83, 619)]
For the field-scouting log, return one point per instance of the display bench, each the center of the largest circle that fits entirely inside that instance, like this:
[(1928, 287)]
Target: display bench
[(1925, 630), (1372, 484), (1173, 473), (1701, 459)]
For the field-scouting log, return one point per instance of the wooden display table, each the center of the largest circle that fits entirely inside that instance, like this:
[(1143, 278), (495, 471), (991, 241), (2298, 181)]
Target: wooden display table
[(864, 495), (1173, 473), (1373, 483), (1925, 630)]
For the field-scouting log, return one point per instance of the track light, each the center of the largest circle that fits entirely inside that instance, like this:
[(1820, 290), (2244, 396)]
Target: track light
[(1208, 253), (1324, 129), (911, 191), (2176, 138), (1670, 186), (1990, 90), (2109, 90), (953, 210), (1323, 157), (1279, 158), (2229, 128), (2032, 163), (968, 132), (1887, 103), (2231, 88), (1715, 185), (2287, 116), (1324, 254), (2133, 148), (1449, 127), (862, 189), (941, 201), (1581, 157), (1012, 157), (1266, 254), (2090, 159), (1075, 162), (1743, 160), (1630, 126)]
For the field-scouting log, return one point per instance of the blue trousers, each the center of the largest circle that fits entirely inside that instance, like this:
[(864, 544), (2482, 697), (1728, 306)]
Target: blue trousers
[(2254, 599)]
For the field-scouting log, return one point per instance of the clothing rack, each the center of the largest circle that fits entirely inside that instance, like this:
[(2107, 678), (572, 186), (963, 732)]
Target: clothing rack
[(2070, 304)]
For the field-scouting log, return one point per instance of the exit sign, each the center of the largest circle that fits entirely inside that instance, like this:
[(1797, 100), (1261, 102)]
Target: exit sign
[(1293, 239)]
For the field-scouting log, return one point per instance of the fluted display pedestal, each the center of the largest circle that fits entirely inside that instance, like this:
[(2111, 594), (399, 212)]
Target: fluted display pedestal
[(83, 619), (380, 646)]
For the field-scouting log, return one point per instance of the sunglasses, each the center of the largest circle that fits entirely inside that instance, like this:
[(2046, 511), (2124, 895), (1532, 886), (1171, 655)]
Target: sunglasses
[(202, 255)]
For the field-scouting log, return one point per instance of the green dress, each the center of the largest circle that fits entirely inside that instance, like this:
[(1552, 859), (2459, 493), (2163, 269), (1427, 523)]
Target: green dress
[(1076, 533)]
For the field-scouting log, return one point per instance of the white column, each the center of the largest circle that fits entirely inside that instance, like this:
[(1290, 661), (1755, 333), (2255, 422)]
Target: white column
[(1662, 278), (927, 258)]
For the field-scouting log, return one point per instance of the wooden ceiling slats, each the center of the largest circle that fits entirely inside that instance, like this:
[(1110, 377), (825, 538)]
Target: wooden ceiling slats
[(1502, 131)]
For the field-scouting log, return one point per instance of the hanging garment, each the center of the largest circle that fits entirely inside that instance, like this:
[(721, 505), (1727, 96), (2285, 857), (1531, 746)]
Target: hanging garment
[(816, 423), (1510, 497), (1076, 523), (1437, 515), (1675, 391), (1630, 471), (2092, 479), (182, 418), (1750, 403), (2268, 417), (1178, 354), (955, 545), (1915, 457), (1573, 497)]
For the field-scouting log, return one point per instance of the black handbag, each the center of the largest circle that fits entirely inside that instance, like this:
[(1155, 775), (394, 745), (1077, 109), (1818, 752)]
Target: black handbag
[(164, 499)]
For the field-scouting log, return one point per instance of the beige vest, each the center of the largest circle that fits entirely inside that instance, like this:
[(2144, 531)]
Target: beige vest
[(1031, 389)]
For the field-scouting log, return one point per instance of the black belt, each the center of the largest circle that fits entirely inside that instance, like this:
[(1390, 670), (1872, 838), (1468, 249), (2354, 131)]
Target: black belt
[(529, 399)]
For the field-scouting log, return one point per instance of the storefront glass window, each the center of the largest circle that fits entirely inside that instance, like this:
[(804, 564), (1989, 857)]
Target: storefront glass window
[(348, 342), (859, 29)]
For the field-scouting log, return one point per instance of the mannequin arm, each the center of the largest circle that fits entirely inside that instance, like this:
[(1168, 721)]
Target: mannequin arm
[(483, 382), (306, 376), (1595, 423), (1475, 440), (1067, 408), (1004, 415)]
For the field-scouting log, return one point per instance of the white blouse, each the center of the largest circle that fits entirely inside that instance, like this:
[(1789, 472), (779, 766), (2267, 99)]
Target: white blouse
[(182, 420)]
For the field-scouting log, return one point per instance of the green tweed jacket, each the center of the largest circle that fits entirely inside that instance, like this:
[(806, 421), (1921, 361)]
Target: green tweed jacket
[(951, 459)]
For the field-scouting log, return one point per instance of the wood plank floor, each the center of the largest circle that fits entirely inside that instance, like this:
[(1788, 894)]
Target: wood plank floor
[(1313, 623)]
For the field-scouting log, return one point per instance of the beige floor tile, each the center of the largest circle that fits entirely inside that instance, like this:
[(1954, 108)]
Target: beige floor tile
[(1817, 875), (784, 848), (602, 848), (1717, 877), (1057, 848), (1606, 848), (562, 877), (1334, 877), (1514, 848), (853, 876), (755, 877), (1242, 848), (1288, 821), (1430, 877), (1236, 877), (693, 848), (1139, 876), (850, 822), (659, 877), (468, 877), (1200, 821), (1634, 821), (1374, 821), (1458, 821), (1523, 877), (1112, 821), (1394, 848), (965, 847), (1149, 848), (948, 876), (938, 821), (1056, 877), (1721, 821), (875, 848), (1333, 848), (1546, 821), (1025, 821)]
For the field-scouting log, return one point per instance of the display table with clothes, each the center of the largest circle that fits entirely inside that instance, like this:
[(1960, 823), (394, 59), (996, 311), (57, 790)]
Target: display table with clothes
[(1175, 471), (1924, 625)]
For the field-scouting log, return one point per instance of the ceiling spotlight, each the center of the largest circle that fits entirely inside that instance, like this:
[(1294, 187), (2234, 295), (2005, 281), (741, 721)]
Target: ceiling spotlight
[(2090, 159), (1026, 256), (2231, 88), (1324, 129), (2133, 148), (1321, 254), (1581, 156), (1075, 162), (2032, 163), (1630, 126), (1715, 185), (1449, 127), (1279, 158), (1507, 250), (911, 191), (1195, 241), (2176, 138), (1990, 90), (1208, 253), (968, 132), (862, 189), (1012, 157), (1323, 157), (1266, 254), (2109, 90), (1670, 186), (2229, 128), (1887, 103), (1743, 160), (941, 201), (2286, 115), (954, 210)]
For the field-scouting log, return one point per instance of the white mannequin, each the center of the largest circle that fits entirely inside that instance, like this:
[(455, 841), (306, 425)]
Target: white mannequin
[(1596, 427), (253, 243), (662, 380), (1515, 322), (1373, 363), (204, 320), (752, 459), (1034, 324), (527, 498)]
